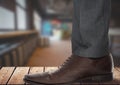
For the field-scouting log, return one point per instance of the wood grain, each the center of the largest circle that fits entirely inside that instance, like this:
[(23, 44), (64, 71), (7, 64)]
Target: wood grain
[(12, 75), (116, 77), (18, 75), (50, 69), (34, 70), (5, 74), (118, 69), (17, 33)]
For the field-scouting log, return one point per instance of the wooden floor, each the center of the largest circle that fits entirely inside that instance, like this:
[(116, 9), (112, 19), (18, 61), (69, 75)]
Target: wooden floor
[(14, 75), (54, 55)]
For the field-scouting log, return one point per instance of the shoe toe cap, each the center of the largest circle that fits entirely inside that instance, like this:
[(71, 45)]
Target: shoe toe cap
[(27, 77)]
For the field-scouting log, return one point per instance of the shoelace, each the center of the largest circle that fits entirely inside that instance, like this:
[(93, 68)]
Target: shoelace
[(65, 63)]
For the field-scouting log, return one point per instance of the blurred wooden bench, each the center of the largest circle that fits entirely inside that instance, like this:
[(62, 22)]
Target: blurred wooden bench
[(17, 47), (14, 75)]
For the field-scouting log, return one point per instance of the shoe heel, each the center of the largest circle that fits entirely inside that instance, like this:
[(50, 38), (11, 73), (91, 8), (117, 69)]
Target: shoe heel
[(98, 78)]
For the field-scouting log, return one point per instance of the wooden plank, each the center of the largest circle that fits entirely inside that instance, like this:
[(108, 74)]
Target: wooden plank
[(118, 68), (50, 69), (34, 70), (18, 75), (5, 74), (117, 75), (17, 33)]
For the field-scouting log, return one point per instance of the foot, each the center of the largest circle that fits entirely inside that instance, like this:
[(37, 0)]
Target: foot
[(76, 69)]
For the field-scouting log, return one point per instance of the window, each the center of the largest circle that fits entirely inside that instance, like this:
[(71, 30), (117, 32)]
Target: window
[(37, 21), (11, 20), (22, 3), (6, 19), (21, 19), (21, 14)]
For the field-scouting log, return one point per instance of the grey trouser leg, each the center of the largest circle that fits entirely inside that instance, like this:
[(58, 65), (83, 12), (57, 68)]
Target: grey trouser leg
[(90, 28)]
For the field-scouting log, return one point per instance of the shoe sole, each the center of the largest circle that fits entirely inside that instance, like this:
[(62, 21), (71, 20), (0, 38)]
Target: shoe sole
[(97, 79), (92, 79)]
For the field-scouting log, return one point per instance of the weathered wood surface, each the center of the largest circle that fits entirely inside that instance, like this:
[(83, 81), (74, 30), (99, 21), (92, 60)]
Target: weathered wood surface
[(14, 75), (18, 75), (5, 74)]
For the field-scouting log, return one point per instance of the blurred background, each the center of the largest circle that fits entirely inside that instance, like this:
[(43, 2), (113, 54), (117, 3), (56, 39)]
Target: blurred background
[(38, 32)]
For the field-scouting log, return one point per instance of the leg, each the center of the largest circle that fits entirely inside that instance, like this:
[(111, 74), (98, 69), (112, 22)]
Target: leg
[(89, 40), (90, 28)]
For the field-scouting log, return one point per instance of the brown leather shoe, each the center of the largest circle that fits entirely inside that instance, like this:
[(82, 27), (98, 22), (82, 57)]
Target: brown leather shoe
[(76, 69)]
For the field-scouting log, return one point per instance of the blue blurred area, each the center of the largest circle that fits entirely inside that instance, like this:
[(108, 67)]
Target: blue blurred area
[(46, 28)]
